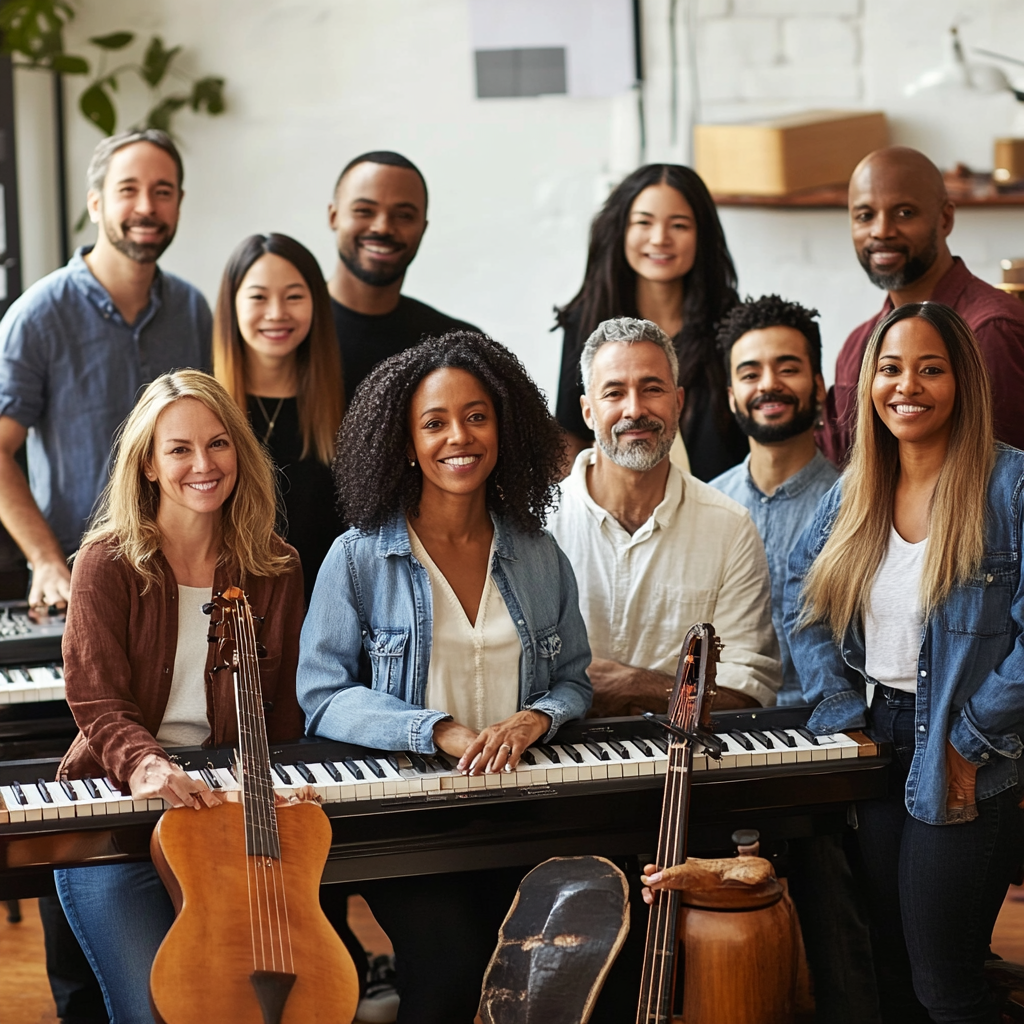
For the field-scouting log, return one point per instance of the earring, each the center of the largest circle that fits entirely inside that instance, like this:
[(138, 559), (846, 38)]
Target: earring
[(412, 462), (501, 493)]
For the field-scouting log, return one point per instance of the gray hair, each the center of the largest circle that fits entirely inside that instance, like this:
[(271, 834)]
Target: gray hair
[(105, 149), (627, 329)]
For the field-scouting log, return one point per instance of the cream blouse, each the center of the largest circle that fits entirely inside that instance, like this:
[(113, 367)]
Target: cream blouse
[(474, 669)]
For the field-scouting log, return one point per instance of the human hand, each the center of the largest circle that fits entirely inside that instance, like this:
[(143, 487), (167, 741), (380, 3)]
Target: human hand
[(157, 778), (961, 776), (652, 878), (452, 738), (616, 690), (51, 584), (499, 746), (727, 699)]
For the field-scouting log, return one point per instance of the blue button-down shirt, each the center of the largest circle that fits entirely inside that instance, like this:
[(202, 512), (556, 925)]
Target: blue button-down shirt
[(780, 518), (71, 369)]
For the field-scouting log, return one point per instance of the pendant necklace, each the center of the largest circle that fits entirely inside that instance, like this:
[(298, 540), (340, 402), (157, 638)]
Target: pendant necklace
[(270, 420)]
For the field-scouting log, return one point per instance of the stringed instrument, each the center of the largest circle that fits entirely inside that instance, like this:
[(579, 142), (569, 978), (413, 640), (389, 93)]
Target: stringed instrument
[(689, 725), (250, 944)]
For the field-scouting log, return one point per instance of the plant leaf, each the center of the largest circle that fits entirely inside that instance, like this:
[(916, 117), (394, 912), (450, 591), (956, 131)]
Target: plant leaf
[(160, 115), (34, 28), (98, 108), (157, 60), (208, 93), (115, 41), (66, 64)]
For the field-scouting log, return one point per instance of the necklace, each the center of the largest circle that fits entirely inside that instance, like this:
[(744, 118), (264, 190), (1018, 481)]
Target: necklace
[(270, 420)]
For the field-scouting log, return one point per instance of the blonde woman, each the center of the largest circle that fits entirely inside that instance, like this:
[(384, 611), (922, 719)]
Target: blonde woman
[(189, 511), (909, 577), (276, 352)]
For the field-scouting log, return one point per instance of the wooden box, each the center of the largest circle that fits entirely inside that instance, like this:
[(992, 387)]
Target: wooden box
[(786, 154)]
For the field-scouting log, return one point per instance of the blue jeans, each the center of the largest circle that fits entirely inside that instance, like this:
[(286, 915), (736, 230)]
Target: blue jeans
[(120, 914), (934, 890)]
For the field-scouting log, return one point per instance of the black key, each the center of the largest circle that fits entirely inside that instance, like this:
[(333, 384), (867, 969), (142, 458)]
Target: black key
[(69, 790), (808, 735), (597, 750), (619, 749), (762, 739), (660, 743), (91, 788), (392, 759), (375, 766), (353, 769), (528, 757), (113, 789), (573, 752), (783, 737), (418, 764), (209, 778), (446, 765), (303, 770), (331, 769), (19, 793), (641, 744), (5, 676), (282, 773), (725, 743), (741, 739), (549, 752), (43, 791)]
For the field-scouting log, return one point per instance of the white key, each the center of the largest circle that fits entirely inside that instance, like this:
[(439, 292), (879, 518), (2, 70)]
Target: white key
[(13, 808), (806, 751)]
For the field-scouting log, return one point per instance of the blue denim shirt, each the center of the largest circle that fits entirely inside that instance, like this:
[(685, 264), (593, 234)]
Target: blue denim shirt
[(780, 518), (71, 370), (365, 647), (970, 686)]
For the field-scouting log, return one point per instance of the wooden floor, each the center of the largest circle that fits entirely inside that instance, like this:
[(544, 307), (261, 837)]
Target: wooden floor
[(25, 996)]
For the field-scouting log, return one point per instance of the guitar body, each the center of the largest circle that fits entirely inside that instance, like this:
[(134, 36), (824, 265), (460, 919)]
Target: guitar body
[(202, 971)]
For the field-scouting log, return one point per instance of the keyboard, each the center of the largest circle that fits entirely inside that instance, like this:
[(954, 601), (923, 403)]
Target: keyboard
[(596, 788), (35, 721)]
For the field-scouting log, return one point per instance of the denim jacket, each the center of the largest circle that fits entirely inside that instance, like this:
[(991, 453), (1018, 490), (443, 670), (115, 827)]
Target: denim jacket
[(365, 646), (970, 684)]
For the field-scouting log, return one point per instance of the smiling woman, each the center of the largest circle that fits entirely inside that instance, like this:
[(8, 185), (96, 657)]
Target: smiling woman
[(189, 511), (446, 620)]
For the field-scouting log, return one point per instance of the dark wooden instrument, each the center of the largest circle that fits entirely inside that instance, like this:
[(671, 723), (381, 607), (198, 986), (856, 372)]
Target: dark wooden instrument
[(250, 943), (689, 725)]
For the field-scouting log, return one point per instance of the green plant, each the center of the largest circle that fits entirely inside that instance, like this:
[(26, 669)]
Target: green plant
[(34, 31)]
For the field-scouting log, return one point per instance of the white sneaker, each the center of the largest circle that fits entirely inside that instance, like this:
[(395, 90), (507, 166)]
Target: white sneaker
[(380, 1003)]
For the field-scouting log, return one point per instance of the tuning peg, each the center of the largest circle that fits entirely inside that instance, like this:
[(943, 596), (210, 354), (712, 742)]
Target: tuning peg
[(261, 651), (208, 608)]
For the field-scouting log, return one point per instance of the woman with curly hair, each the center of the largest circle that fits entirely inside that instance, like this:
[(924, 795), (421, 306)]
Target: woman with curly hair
[(445, 618)]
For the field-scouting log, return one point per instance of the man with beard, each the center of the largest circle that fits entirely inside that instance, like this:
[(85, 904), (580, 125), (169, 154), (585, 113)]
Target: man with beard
[(900, 217), (75, 350), (378, 218), (772, 351), (654, 549), (80, 344)]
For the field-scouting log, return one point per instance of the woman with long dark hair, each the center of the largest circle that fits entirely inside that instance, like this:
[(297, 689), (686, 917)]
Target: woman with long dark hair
[(445, 619), (275, 350), (657, 251), (909, 577)]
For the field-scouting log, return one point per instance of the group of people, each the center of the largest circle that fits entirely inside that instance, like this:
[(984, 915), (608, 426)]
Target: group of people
[(441, 565)]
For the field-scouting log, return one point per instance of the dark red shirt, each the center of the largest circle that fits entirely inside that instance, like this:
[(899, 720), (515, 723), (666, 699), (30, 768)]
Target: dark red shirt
[(997, 319)]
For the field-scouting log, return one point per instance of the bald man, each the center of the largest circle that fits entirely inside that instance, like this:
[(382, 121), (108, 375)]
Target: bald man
[(901, 218)]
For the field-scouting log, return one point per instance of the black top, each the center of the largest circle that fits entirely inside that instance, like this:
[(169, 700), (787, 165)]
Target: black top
[(711, 449), (309, 520), (367, 340)]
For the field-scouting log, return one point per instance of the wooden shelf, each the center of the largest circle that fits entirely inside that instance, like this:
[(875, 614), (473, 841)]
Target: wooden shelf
[(964, 190)]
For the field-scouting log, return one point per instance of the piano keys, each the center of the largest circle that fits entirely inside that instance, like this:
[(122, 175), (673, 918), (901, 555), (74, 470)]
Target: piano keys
[(596, 788)]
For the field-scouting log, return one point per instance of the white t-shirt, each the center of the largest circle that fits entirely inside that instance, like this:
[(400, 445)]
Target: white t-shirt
[(474, 669), (894, 620), (185, 723)]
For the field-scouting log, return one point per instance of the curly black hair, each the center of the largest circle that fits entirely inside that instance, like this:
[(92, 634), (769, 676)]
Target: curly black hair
[(769, 311), (372, 474)]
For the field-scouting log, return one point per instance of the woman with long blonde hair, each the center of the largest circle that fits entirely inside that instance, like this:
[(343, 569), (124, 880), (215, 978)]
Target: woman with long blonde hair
[(276, 352), (909, 579), (188, 512)]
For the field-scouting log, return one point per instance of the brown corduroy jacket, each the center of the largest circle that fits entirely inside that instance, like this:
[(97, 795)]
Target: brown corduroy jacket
[(119, 646)]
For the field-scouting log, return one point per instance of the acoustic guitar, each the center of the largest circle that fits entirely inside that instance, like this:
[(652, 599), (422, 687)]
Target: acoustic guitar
[(689, 725), (250, 944)]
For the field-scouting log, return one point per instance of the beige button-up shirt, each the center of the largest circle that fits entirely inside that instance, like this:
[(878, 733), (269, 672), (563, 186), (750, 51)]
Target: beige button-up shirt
[(699, 558)]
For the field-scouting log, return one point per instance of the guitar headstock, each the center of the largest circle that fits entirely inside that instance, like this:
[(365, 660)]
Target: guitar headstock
[(696, 674), (233, 626)]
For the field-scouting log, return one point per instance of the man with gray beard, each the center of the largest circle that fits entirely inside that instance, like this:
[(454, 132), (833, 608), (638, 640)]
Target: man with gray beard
[(900, 219), (654, 549)]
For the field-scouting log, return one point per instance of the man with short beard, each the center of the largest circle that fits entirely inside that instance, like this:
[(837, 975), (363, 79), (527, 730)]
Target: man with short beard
[(901, 217), (378, 217), (654, 549), (772, 352)]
